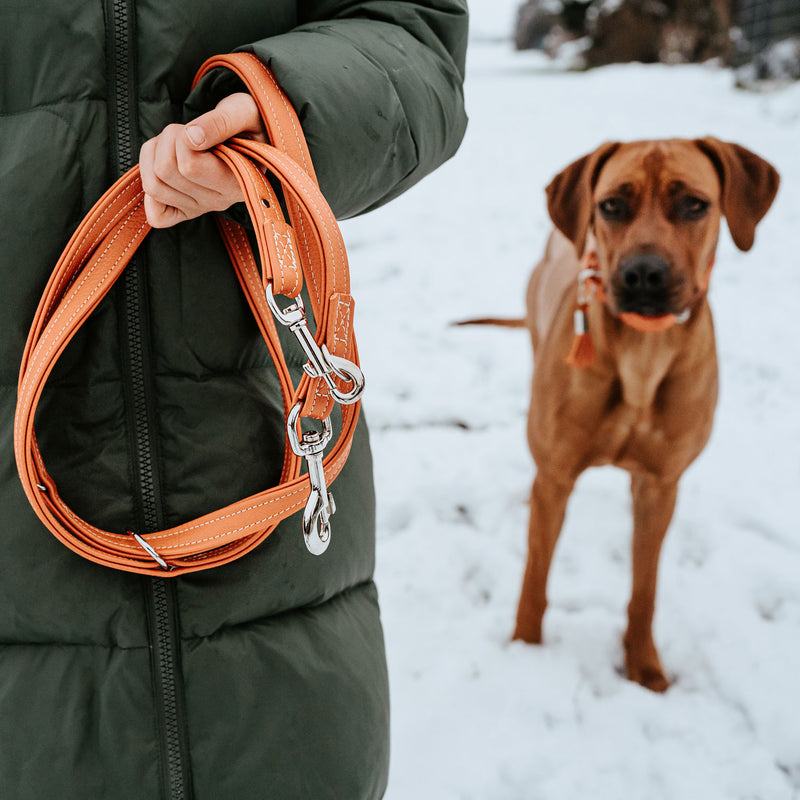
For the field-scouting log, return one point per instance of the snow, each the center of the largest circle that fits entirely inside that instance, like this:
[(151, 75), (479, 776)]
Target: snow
[(474, 716)]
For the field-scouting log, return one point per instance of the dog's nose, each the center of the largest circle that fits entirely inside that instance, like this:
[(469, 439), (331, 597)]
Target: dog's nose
[(642, 285), (645, 272)]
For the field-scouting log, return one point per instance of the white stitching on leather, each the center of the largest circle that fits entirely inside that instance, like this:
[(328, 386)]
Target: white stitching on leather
[(284, 249)]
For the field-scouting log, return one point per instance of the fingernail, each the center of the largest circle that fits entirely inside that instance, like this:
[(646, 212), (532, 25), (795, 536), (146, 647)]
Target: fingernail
[(196, 135)]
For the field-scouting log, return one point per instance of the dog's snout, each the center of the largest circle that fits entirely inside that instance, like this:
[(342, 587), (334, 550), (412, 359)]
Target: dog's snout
[(644, 272), (642, 284)]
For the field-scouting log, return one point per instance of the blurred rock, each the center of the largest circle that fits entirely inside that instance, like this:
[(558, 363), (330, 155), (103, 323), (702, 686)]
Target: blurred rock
[(775, 66), (668, 31), (535, 21)]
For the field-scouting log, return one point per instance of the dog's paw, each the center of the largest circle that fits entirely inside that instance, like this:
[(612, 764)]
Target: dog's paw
[(653, 679), (529, 632), (646, 670)]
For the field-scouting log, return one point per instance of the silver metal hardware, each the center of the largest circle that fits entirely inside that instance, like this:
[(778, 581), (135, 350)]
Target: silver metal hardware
[(308, 445), (292, 314), (342, 368), (580, 322), (583, 277), (321, 363), (320, 506), (683, 316), (151, 552)]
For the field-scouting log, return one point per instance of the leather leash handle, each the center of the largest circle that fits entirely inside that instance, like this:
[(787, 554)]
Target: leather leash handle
[(96, 256)]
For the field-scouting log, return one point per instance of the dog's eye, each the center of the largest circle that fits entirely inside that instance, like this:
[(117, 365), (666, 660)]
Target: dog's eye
[(613, 208), (692, 208)]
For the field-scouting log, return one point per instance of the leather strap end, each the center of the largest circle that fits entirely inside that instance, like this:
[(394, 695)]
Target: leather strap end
[(287, 273), (339, 334)]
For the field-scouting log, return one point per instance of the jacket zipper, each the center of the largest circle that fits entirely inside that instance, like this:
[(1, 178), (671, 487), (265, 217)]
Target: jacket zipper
[(161, 602)]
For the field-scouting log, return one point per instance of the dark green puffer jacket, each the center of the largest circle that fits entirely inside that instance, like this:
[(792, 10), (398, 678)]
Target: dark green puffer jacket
[(264, 678)]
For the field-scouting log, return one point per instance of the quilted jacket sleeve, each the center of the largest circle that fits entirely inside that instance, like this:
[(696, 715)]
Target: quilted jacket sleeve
[(378, 88)]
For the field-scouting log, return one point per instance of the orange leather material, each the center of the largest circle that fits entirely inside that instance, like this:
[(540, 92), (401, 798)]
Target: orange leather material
[(310, 248), (287, 274), (340, 324)]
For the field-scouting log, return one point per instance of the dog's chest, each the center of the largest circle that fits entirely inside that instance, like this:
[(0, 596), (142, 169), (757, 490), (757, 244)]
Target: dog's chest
[(631, 438), (648, 423)]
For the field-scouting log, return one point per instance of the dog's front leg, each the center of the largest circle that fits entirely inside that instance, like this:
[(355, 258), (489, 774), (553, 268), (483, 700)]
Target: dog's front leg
[(548, 505), (653, 504)]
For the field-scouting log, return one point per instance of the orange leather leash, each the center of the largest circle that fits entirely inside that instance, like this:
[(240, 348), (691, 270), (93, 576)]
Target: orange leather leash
[(590, 285), (308, 248)]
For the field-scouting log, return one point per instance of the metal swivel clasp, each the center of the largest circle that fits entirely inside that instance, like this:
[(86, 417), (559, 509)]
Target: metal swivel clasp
[(320, 505), (321, 362)]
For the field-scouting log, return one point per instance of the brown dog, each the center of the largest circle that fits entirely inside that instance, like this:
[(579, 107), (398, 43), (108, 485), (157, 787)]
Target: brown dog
[(646, 217)]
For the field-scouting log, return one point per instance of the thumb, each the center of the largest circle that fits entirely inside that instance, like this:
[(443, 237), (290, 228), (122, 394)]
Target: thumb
[(234, 115)]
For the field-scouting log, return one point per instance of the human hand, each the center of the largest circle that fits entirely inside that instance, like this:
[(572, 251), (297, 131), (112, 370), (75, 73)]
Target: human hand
[(180, 178)]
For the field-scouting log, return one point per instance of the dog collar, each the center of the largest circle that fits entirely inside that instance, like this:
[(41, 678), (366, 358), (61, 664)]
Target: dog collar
[(590, 285)]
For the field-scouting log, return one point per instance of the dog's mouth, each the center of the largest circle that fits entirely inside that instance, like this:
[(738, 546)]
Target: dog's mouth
[(646, 285), (649, 306)]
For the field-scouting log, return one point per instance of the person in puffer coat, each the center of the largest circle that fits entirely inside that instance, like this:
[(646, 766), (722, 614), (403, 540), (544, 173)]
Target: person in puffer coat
[(264, 678)]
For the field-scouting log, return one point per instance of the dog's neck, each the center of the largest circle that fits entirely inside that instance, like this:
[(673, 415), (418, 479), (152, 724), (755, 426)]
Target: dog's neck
[(643, 361)]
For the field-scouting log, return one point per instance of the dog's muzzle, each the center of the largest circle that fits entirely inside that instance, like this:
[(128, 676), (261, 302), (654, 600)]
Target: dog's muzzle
[(644, 285)]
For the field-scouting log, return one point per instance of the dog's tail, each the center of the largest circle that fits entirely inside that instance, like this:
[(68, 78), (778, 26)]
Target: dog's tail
[(503, 323)]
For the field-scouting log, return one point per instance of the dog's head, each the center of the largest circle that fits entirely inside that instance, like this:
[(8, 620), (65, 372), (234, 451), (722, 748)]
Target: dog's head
[(651, 210)]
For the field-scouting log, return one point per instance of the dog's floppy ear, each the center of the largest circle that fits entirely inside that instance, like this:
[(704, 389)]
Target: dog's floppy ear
[(749, 185), (569, 195)]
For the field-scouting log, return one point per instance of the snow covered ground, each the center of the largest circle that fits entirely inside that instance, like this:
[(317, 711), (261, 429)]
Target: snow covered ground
[(476, 717)]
